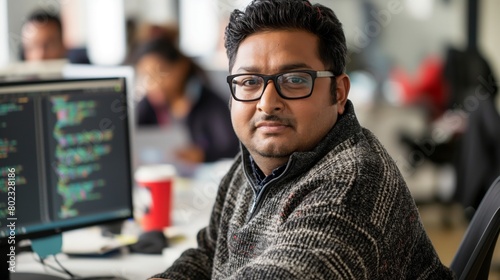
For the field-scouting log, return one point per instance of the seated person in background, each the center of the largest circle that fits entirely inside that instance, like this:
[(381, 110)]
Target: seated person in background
[(176, 92), (42, 37), (313, 195)]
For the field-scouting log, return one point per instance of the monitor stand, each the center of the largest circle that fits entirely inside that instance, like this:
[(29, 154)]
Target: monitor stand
[(43, 246), (9, 273)]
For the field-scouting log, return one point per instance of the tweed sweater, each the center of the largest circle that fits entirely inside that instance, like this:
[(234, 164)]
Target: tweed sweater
[(340, 211)]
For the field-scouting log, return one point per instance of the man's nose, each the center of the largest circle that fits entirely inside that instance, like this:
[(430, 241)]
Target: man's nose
[(270, 101)]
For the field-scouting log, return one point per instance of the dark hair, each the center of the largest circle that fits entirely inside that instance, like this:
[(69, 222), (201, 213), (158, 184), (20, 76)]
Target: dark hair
[(42, 16), (168, 51), (162, 47), (264, 15)]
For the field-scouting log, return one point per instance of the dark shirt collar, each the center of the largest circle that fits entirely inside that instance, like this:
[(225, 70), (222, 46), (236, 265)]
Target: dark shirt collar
[(259, 178)]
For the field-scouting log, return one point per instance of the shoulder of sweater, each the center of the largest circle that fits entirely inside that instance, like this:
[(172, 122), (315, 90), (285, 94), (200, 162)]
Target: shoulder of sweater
[(360, 160), (360, 149)]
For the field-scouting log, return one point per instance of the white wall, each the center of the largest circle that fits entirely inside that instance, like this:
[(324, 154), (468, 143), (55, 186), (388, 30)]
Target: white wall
[(159, 12), (106, 39), (199, 27), (409, 40), (73, 18), (4, 42), (489, 37)]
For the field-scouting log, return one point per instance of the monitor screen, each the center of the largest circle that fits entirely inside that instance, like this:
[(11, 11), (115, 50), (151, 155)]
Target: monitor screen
[(64, 155)]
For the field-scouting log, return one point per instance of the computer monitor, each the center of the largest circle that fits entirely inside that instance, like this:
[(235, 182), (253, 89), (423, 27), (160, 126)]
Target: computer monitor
[(64, 157)]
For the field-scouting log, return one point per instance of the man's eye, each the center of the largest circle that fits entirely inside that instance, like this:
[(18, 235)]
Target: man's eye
[(249, 82), (295, 80)]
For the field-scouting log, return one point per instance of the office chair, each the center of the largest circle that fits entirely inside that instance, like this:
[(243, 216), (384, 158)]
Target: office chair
[(473, 258)]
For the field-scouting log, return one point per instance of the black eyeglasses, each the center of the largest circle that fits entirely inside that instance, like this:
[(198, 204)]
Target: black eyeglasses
[(290, 85)]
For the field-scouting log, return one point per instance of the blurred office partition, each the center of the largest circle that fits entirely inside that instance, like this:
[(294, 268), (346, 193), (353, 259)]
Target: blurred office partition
[(4, 34), (199, 27), (106, 36), (160, 12)]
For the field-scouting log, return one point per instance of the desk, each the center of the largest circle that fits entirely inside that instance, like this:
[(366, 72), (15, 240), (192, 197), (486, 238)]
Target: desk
[(193, 201), (129, 266)]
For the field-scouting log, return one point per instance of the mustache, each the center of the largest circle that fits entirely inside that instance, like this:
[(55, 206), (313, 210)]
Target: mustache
[(273, 118)]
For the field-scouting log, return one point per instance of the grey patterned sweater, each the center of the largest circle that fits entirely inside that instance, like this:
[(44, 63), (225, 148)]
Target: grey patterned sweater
[(341, 211)]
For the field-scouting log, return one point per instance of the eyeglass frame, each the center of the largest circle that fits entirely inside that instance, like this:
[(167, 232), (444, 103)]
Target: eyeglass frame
[(313, 73)]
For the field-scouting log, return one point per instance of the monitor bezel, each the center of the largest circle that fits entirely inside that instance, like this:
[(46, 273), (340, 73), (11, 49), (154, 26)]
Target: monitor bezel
[(60, 229)]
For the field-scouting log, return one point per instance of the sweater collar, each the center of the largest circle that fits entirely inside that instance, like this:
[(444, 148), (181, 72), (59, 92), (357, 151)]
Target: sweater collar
[(346, 126)]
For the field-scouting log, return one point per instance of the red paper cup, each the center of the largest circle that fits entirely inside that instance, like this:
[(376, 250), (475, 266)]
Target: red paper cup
[(159, 180)]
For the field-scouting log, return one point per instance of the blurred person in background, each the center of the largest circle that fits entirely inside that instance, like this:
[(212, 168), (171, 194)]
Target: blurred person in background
[(176, 91), (42, 37)]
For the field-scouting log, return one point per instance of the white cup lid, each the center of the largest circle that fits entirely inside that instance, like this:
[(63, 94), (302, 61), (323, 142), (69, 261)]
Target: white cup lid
[(156, 172)]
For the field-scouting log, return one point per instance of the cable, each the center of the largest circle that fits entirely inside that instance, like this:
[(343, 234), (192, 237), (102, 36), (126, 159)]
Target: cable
[(65, 270), (46, 265)]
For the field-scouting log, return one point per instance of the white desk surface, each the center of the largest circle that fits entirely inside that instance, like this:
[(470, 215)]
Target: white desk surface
[(129, 266), (193, 201)]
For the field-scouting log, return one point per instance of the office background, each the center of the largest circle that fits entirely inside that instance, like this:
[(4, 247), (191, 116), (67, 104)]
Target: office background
[(391, 43), (417, 29)]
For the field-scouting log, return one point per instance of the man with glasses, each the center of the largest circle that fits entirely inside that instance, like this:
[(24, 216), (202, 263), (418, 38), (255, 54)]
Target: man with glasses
[(312, 195)]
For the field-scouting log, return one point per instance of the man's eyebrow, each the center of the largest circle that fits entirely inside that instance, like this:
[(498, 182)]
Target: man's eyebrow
[(293, 66), (248, 69), (282, 68)]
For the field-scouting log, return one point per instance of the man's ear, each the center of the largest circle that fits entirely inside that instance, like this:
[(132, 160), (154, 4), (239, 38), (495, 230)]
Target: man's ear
[(343, 87)]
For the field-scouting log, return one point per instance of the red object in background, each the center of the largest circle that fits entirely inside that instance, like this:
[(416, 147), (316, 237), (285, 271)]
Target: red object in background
[(432, 86), (428, 88), (159, 215), (158, 179)]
